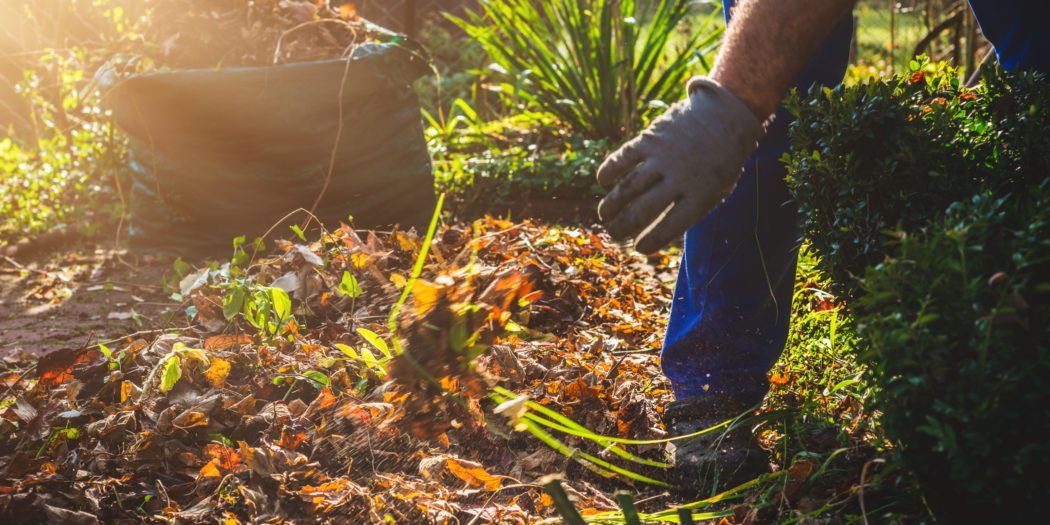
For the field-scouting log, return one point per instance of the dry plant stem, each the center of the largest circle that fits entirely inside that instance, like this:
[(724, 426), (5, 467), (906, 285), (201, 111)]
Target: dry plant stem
[(280, 40), (860, 490), (338, 138)]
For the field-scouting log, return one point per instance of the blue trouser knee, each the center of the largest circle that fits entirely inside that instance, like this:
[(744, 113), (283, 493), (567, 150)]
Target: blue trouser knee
[(732, 304)]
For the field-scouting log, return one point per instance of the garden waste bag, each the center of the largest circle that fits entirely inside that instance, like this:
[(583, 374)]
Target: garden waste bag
[(215, 154)]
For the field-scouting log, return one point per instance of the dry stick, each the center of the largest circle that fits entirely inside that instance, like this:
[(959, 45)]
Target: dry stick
[(339, 96), (310, 217), (146, 332), (280, 39), (338, 138), (860, 491), (23, 268)]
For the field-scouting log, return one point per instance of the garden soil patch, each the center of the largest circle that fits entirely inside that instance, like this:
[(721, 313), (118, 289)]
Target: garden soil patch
[(63, 301)]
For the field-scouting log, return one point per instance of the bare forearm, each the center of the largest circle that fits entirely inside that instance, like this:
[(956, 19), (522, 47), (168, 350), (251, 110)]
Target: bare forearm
[(768, 44)]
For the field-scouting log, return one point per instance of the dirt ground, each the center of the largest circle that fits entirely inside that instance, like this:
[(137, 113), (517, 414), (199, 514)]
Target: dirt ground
[(78, 295)]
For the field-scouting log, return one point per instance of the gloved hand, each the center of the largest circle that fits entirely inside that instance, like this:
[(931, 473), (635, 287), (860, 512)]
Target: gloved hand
[(688, 160)]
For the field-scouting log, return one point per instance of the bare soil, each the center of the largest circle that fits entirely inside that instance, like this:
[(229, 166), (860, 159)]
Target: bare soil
[(78, 295)]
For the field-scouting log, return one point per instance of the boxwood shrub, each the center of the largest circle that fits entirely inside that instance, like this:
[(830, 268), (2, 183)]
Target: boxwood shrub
[(956, 324), (929, 205), (870, 161)]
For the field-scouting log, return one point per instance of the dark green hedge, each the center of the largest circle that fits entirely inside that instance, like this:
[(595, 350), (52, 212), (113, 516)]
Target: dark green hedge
[(873, 160), (956, 324), (930, 208)]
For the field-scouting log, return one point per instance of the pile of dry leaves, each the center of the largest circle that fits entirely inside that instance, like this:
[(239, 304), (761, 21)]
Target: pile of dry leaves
[(292, 399), (232, 33)]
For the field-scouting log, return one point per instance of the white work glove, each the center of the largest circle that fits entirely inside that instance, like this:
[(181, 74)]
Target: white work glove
[(685, 164)]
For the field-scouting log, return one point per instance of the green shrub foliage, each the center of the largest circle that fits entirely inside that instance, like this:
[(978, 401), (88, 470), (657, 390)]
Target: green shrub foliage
[(930, 207), (885, 157), (957, 324)]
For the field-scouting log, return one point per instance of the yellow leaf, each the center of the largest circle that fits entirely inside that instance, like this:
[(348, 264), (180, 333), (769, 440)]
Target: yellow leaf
[(474, 474), (398, 280), (425, 296), (190, 419), (360, 260), (211, 470), (406, 243), (217, 372), (126, 389)]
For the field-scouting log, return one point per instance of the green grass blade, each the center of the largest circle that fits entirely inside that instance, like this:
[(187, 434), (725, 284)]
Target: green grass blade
[(563, 503), (630, 512), (417, 270)]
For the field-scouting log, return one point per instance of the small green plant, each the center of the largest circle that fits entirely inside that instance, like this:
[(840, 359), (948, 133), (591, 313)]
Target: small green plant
[(169, 368), (502, 162), (603, 67), (367, 357)]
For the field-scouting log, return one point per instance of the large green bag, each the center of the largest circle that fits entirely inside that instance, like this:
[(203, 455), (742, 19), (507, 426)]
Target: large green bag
[(221, 153)]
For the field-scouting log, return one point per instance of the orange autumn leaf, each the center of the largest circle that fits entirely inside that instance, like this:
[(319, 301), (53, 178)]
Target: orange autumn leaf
[(190, 419), (425, 296), (223, 456), (474, 474), (335, 485), (292, 440), (56, 368), (778, 379), (801, 470), (127, 388), (348, 11), (225, 342), (211, 470), (326, 397)]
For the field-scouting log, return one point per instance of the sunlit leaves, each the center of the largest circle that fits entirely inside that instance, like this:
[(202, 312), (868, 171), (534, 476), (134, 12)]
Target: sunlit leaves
[(375, 341), (171, 374), (349, 287), (591, 63)]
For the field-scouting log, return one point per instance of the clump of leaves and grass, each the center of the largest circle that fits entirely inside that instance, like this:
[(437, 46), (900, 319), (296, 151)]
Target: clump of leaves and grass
[(338, 405)]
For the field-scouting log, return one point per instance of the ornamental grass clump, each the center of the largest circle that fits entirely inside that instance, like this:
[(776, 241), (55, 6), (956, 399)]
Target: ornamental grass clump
[(603, 67)]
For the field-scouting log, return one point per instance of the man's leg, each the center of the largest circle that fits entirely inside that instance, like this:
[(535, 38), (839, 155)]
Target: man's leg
[(732, 304), (1016, 30)]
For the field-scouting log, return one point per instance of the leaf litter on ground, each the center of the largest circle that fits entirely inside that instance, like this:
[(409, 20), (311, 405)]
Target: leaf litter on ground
[(306, 405), (521, 350)]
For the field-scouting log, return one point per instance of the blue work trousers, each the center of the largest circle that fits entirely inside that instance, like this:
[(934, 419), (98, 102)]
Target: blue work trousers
[(732, 303)]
